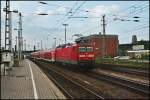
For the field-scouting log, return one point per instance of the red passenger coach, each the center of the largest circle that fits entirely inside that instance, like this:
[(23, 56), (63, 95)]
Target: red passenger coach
[(50, 55), (35, 55)]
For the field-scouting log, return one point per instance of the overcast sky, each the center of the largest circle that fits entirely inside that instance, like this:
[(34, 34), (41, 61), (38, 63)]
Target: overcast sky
[(48, 27)]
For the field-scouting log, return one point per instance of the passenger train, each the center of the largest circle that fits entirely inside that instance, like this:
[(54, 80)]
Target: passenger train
[(75, 54)]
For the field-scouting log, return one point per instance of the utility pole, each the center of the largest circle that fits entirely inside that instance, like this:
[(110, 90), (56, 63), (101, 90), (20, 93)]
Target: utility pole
[(103, 38), (60, 41), (41, 45), (16, 43), (25, 45), (20, 38), (28, 47), (65, 31), (55, 42), (16, 47), (22, 44), (103, 24), (20, 33), (34, 48), (38, 46)]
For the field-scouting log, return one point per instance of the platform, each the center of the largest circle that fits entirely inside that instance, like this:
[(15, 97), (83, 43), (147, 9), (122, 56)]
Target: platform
[(28, 82)]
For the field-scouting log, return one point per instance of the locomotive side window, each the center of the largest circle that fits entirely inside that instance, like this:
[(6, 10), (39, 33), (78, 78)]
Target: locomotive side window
[(82, 49), (89, 49)]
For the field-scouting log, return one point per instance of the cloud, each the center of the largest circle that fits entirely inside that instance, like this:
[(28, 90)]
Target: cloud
[(62, 10), (50, 11), (103, 9), (40, 9)]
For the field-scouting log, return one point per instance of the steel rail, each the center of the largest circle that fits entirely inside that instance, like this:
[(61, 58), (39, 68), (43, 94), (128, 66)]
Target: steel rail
[(123, 82), (133, 85), (57, 84), (123, 69), (72, 81)]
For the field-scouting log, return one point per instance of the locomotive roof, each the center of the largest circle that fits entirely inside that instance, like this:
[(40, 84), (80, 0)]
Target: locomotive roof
[(64, 45)]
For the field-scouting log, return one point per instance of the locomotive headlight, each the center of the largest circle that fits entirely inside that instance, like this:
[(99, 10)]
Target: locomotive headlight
[(81, 55), (90, 56)]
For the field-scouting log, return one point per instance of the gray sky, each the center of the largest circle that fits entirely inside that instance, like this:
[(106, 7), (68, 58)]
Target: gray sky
[(45, 28)]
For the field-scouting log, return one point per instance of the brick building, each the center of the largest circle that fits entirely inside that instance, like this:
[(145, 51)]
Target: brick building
[(104, 45)]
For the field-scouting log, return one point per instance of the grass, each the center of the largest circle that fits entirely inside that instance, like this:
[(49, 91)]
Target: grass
[(124, 63)]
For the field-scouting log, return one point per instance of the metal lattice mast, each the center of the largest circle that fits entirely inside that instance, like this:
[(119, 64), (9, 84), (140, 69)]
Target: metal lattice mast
[(8, 27)]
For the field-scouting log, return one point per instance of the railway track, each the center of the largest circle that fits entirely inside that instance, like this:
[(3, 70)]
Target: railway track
[(123, 82), (133, 86), (72, 88), (123, 69)]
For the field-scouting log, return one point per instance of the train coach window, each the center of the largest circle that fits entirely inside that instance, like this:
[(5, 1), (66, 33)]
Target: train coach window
[(82, 49), (89, 49)]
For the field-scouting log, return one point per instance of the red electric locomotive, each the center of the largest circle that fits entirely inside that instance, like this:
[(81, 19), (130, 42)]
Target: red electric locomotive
[(75, 54)]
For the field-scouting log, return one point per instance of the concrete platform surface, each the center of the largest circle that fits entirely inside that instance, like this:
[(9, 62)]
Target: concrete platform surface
[(28, 82)]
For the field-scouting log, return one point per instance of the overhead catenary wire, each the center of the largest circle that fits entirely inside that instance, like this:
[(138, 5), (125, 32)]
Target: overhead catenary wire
[(98, 27), (139, 29), (78, 8), (137, 5), (88, 11), (70, 11), (64, 21)]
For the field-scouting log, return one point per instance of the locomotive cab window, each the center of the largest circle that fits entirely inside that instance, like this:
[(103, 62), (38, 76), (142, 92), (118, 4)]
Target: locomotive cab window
[(89, 49), (82, 49)]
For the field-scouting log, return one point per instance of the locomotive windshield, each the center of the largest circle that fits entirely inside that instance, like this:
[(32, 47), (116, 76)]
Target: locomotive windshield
[(85, 49), (82, 49), (89, 49)]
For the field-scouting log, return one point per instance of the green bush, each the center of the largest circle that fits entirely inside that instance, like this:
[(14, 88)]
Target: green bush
[(125, 63), (145, 57)]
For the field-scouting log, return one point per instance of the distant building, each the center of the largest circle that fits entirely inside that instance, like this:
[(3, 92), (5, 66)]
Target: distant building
[(134, 46), (105, 45), (134, 39), (138, 53), (123, 49)]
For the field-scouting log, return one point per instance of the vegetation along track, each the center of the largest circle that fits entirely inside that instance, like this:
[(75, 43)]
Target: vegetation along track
[(72, 88), (123, 69)]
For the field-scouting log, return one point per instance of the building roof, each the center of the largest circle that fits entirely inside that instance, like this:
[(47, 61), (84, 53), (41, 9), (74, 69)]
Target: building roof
[(138, 51), (86, 38)]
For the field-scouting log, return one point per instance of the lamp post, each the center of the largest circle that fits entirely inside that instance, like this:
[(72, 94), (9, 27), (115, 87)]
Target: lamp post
[(38, 46), (65, 31), (60, 41), (55, 42), (41, 45), (19, 44), (24, 45), (16, 43)]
